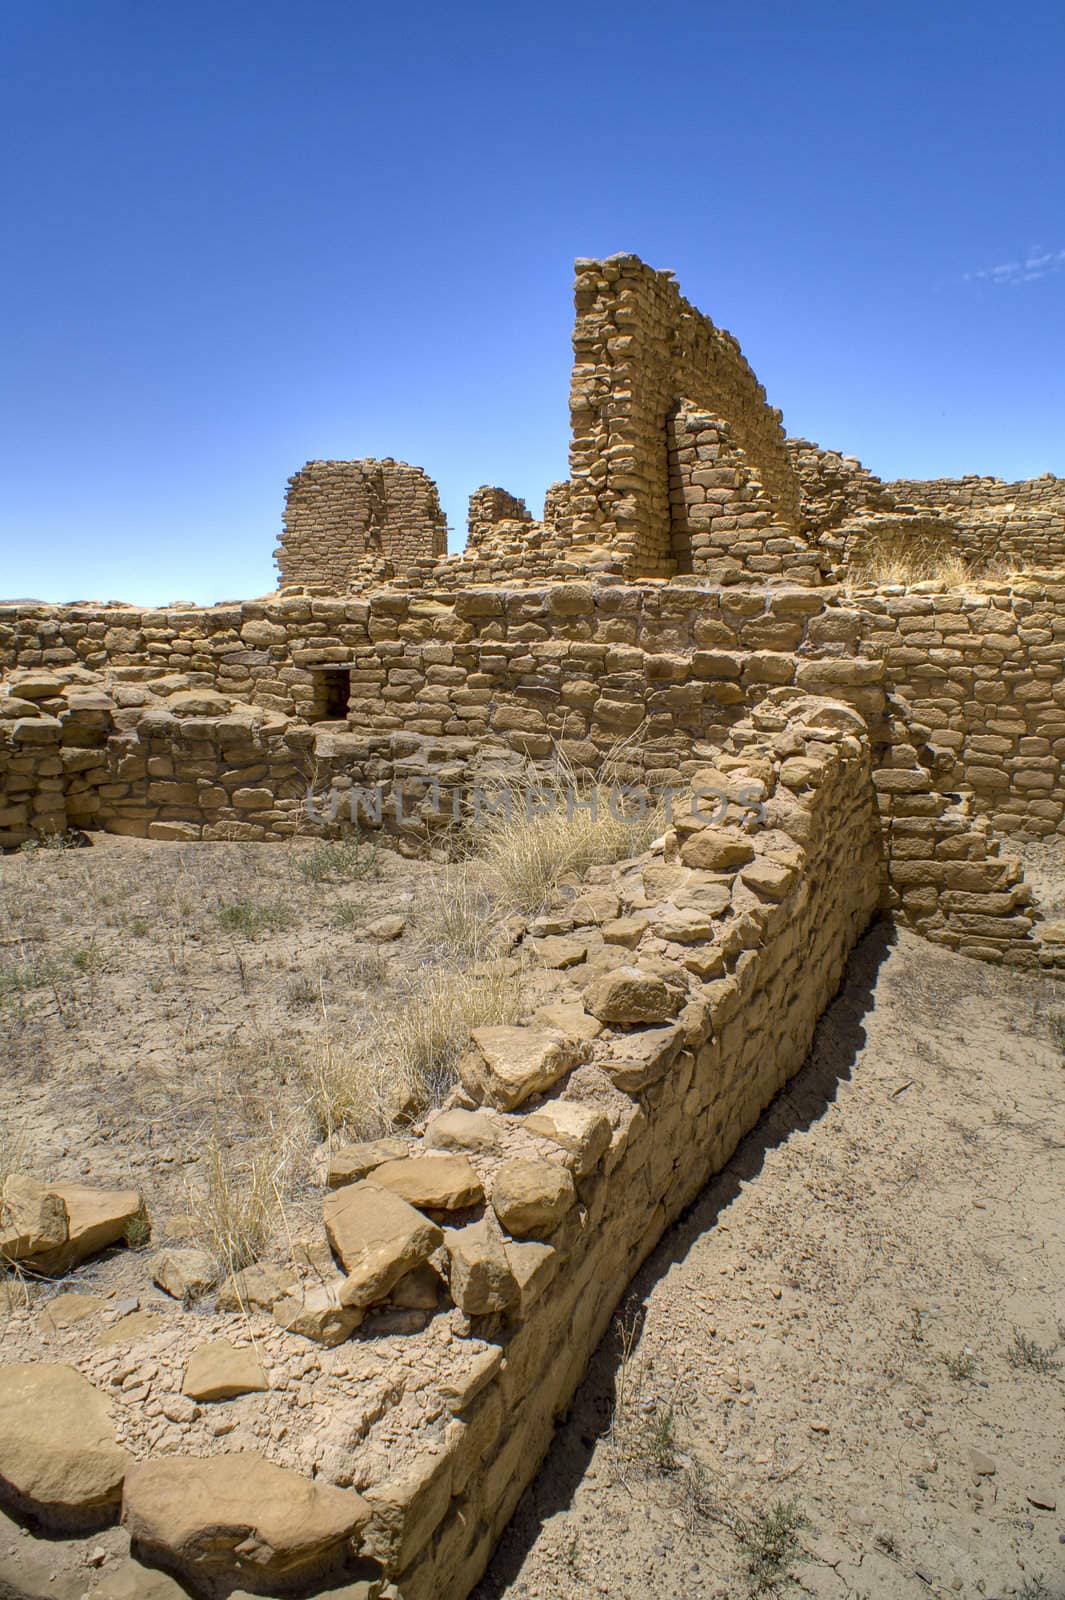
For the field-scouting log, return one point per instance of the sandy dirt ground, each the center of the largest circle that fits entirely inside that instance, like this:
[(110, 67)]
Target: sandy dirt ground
[(157, 1000), (842, 1373)]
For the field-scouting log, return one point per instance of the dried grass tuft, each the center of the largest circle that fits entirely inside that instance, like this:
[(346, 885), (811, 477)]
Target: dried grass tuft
[(530, 842)]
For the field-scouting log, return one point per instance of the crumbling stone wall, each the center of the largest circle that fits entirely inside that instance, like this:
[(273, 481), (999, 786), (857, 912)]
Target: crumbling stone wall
[(337, 513), (661, 1100), (633, 1074), (853, 518), (490, 506), (222, 743), (639, 348), (834, 488), (722, 522), (979, 493)]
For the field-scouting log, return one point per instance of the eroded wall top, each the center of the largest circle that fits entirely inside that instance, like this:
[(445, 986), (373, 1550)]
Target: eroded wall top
[(639, 348), (337, 513)]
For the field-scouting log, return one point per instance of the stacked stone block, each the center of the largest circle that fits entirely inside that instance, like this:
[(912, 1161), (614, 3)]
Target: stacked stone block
[(489, 507), (722, 523), (639, 347), (339, 513)]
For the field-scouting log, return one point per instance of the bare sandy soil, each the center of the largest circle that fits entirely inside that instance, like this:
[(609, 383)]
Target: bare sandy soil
[(160, 1000), (838, 1374)]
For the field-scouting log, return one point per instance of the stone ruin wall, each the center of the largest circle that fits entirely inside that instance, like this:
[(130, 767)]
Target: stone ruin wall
[(620, 1098), (639, 349), (995, 523), (644, 1124), (488, 508), (853, 516), (891, 729), (964, 697), (980, 494), (723, 526), (338, 513)]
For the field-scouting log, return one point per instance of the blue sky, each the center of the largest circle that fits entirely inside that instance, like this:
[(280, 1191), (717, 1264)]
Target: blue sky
[(238, 235)]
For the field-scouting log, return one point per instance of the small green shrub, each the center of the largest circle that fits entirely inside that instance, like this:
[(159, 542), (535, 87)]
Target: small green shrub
[(339, 860), (1026, 1354), (137, 1232), (771, 1541), (961, 1366), (253, 917), (348, 915)]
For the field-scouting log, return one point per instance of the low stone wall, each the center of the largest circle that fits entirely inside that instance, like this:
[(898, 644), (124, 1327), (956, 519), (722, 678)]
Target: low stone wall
[(691, 1041), (963, 690)]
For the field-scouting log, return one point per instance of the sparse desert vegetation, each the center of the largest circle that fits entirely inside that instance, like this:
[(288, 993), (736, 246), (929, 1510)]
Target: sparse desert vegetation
[(205, 1016)]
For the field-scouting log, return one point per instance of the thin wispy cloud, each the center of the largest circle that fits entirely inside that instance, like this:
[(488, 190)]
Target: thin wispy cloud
[(1037, 264)]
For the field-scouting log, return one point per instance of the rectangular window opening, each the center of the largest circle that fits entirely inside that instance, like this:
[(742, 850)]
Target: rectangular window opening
[(332, 694)]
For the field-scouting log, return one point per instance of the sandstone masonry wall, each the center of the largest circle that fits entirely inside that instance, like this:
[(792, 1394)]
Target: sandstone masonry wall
[(963, 693), (666, 999), (977, 493), (490, 506), (339, 512), (833, 488), (639, 347), (854, 518), (722, 522), (672, 1080), (984, 674)]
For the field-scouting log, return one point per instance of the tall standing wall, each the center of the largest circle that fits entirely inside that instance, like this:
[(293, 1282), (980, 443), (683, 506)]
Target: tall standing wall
[(639, 347)]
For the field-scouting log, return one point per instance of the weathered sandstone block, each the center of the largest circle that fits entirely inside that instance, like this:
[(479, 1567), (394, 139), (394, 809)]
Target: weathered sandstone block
[(58, 1457)]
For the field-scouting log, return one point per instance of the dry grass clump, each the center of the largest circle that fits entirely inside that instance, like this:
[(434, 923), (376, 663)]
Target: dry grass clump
[(531, 837), (404, 1062), (459, 920), (642, 1435), (239, 1199), (922, 563)]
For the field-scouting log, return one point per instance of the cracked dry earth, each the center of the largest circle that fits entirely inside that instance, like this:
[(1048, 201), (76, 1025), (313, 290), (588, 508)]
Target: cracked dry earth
[(851, 1321)]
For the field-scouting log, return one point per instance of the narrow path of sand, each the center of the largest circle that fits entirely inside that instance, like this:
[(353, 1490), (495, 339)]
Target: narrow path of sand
[(835, 1325)]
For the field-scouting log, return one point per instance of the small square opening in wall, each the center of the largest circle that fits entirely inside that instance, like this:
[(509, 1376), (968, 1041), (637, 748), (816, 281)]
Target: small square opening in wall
[(332, 694)]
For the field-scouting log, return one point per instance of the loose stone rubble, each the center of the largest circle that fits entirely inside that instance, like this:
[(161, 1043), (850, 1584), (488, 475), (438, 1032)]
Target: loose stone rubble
[(370, 1409)]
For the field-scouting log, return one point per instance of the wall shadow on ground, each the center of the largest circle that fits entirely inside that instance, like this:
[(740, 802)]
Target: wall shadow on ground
[(839, 1038)]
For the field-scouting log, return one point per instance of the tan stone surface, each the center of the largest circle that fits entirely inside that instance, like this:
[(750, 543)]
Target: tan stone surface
[(58, 1455), (630, 995), (506, 1065), (432, 1182), (218, 1370), (350, 1162), (530, 1198), (184, 1273), (33, 1219), (480, 1277), (378, 1237), (240, 1517), (96, 1218)]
